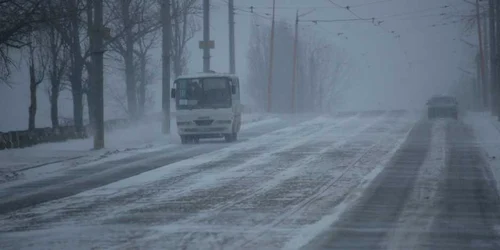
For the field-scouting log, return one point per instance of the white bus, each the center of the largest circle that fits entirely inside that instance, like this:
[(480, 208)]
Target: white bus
[(207, 106)]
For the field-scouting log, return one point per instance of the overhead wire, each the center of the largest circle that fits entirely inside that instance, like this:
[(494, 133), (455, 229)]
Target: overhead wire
[(348, 8), (253, 13), (370, 3), (377, 24), (376, 21), (309, 7), (404, 16), (413, 12)]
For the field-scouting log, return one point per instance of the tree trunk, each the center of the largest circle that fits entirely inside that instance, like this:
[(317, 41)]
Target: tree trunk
[(497, 52), (76, 73), (176, 44), (90, 95), (177, 65), (486, 82), (184, 40), (310, 100), (130, 79), (54, 102), (91, 107), (32, 108), (142, 86), (492, 52), (77, 92), (477, 89), (56, 70)]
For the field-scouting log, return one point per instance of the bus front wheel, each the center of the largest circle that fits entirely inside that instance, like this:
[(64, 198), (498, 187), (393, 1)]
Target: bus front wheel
[(184, 139), (231, 137)]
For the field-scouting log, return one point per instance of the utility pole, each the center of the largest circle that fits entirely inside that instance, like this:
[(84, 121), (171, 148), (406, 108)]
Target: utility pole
[(232, 61), (294, 70), (493, 67), (271, 62), (477, 85), (486, 80), (496, 59), (206, 35), (166, 30), (98, 74), (481, 54)]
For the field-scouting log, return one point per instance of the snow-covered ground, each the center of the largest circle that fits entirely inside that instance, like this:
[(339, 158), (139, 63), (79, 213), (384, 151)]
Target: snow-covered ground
[(383, 180), (120, 143), (276, 190), (487, 132)]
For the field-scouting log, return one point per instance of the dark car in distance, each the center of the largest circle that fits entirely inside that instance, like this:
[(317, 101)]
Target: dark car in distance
[(442, 106)]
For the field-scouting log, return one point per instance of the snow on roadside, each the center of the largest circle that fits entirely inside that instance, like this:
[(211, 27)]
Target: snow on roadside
[(487, 131), (119, 143), (122, 143)]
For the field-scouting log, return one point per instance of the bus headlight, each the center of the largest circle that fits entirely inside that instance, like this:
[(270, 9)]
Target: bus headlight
[(184, 123)]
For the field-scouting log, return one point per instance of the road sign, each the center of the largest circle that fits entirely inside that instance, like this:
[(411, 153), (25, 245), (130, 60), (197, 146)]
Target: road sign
[(211, 44)]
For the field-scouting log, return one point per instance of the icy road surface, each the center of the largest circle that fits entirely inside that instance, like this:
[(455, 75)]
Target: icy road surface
[(379, 180)]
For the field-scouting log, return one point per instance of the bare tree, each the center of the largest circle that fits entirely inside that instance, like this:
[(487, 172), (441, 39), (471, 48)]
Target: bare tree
[(18, 19), (117, 99), (75, 29), (144, 45), (36, 65), (137, 18), (336, 78), (321, 70), (57, 57), (70, 29), (184, 27), (258, 58), (327, 67)]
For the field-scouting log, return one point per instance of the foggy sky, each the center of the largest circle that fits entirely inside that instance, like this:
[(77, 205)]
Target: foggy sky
[(389, 72)]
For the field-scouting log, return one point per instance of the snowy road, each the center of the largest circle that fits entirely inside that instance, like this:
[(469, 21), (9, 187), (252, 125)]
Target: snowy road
[(380, 180)]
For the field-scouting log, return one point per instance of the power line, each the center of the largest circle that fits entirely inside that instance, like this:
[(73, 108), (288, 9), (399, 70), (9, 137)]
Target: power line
[(308, 7), (288, 7), (348, 8), (377, 24), (267, 16), (415, 11), (253, 13), (371, 3), (375, 20), (333, 20)]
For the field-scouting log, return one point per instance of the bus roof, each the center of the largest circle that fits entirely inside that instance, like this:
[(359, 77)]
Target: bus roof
[(205, 75)]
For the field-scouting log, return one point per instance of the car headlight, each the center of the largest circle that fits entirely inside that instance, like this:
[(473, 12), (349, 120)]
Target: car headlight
[(223, 122)]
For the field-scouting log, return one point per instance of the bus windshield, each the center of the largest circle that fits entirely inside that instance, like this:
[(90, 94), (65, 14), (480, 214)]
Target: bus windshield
[(203, 93)]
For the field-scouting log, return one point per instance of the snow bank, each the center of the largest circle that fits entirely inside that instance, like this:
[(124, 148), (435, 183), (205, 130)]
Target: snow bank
[(487, 131)]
